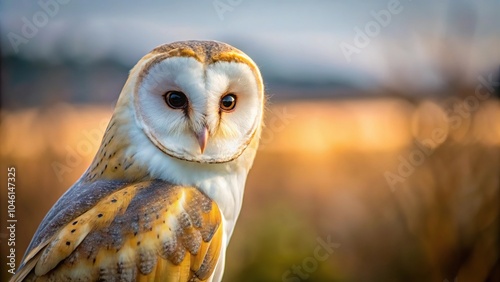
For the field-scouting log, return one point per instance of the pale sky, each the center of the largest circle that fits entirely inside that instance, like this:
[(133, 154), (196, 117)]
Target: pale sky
[(293, 39)]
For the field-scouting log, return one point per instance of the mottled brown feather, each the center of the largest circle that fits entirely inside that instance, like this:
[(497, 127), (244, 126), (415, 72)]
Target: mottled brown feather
[(206, 52), (150, 231)]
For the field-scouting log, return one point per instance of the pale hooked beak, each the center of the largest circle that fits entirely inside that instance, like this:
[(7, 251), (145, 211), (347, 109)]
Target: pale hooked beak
[(202, 137)]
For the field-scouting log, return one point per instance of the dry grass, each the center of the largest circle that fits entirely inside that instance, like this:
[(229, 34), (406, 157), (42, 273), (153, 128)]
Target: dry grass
[(319, 174)]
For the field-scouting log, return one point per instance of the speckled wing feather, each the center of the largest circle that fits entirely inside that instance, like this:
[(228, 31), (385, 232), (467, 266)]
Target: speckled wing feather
[(148, 231)]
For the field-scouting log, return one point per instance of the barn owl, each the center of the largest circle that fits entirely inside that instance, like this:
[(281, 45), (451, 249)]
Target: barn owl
[(161, 198)]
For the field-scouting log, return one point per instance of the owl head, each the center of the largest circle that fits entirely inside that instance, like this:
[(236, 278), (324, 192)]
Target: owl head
[(197, 101)]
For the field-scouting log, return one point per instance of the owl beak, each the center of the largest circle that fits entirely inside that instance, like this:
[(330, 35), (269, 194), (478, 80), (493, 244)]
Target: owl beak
[(202, 138)]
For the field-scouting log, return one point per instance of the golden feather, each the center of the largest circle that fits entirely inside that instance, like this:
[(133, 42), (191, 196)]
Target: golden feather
[(150, 231)]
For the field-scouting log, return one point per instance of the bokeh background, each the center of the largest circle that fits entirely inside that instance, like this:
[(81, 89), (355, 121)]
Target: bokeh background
[(382, 137)]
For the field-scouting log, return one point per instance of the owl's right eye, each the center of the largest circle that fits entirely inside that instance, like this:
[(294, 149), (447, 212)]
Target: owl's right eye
[(176, 100)]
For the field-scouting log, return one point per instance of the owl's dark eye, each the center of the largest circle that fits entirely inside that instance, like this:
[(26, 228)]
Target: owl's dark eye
[(176, 100), (228, 102)]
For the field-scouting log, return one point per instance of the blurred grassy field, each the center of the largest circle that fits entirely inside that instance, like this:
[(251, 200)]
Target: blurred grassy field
[(347, 172)]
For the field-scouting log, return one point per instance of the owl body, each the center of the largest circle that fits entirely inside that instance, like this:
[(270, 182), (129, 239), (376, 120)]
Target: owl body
[(162, 196)]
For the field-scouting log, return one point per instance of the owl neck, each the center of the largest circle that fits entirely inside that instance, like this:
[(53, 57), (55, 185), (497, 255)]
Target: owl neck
[(126, 154), (112, 160)]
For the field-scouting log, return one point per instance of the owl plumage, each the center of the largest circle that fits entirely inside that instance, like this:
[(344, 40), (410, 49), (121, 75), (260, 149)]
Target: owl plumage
[(161, 198)]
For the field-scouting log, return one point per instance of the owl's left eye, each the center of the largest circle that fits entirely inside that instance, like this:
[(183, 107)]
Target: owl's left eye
[(176, 100), (228, 102)]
